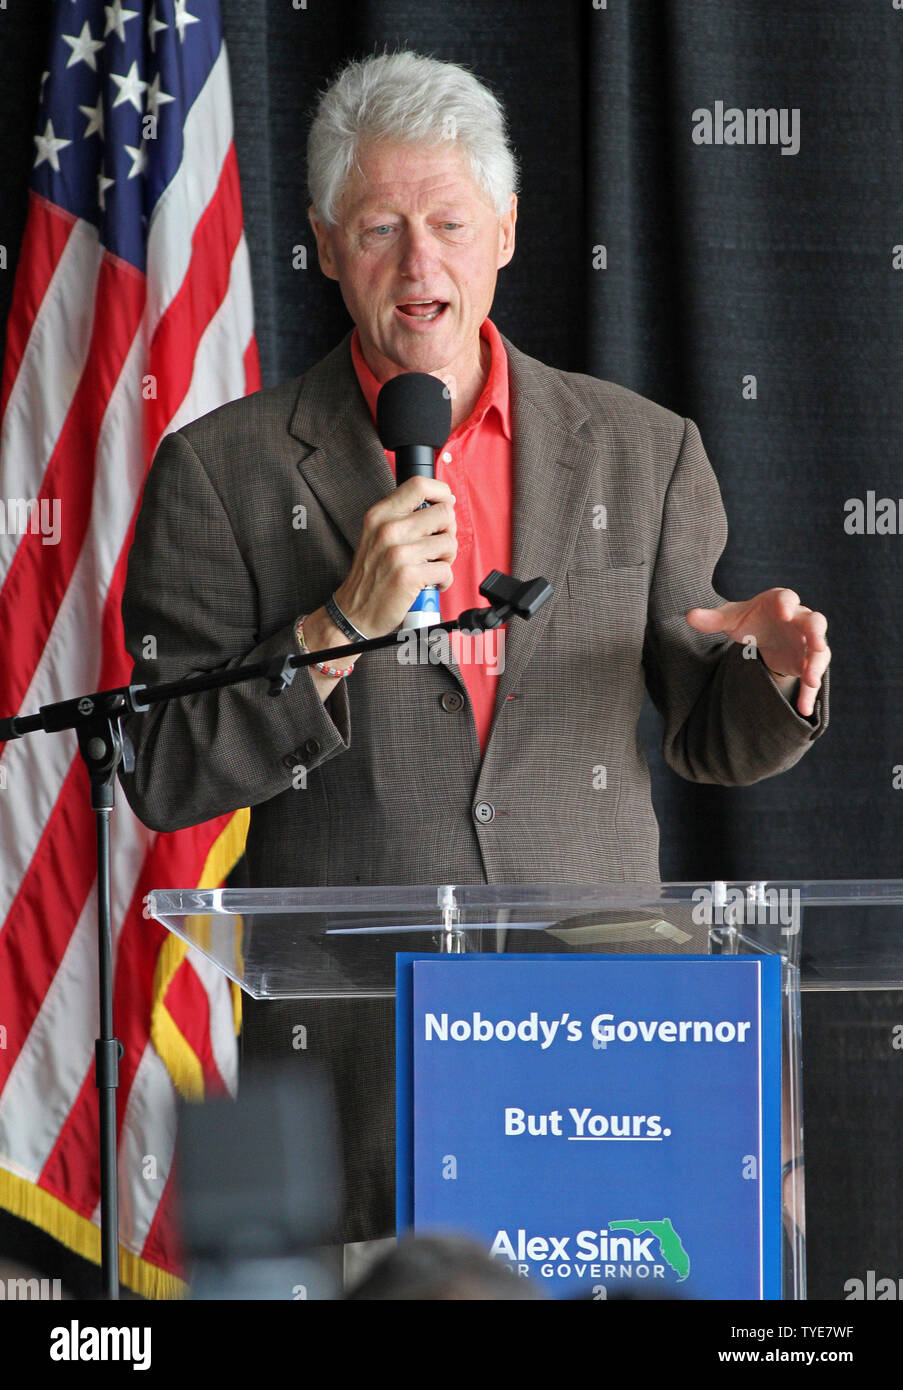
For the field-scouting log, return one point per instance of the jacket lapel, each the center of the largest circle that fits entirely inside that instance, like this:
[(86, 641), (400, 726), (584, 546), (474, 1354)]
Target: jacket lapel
[(345, 464), (346, 467), (550, 497)]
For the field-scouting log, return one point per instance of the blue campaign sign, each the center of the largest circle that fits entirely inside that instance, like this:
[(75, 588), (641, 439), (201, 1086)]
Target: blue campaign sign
[(603, 1123)]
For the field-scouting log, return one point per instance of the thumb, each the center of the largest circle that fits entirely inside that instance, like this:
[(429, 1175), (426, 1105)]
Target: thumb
[(720, 619)]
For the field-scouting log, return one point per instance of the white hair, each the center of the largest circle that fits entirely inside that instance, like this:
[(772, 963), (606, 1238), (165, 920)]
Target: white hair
[(407, 99)]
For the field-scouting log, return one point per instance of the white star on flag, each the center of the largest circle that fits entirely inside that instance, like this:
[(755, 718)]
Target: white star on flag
[(156, 98), (117, 18), (103, 183), (95, 118), (48, 145), (154, 25), (130, 87), (83, 47), (183, 18), (139, 160)]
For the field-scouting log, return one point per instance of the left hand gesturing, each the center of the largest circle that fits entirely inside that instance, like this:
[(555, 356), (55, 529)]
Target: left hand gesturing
[(789, 637)]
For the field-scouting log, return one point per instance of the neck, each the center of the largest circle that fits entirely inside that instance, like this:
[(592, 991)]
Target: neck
[(467, 386), (469, 390)]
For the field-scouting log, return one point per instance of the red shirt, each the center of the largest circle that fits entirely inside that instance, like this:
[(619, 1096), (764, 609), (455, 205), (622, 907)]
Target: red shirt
[(478, 465)]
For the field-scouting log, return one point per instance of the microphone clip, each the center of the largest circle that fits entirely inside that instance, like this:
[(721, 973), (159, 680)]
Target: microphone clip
[(507, 597)]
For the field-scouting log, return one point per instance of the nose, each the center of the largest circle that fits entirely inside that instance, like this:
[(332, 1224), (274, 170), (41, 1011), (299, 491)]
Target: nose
[(418, 253)]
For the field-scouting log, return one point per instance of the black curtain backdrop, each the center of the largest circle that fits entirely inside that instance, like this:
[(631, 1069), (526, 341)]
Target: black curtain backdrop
[(724, 263)]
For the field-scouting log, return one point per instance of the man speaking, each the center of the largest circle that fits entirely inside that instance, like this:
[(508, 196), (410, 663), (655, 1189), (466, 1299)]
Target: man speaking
[(275, 521)]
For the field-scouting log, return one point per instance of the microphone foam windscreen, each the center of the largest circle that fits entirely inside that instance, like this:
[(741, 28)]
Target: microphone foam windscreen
[(413, 408)]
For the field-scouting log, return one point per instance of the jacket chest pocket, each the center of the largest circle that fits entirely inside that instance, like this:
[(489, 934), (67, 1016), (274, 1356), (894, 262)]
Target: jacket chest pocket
[(608, 604)]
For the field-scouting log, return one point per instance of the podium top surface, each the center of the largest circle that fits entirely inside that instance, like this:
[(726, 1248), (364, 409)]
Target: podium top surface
[(341, 940), (305, 897)]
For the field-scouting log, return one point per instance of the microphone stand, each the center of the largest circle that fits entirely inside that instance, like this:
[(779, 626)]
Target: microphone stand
[(103, 745)]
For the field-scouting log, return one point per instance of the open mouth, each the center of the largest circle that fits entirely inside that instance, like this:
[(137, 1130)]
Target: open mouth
[(423, 310)]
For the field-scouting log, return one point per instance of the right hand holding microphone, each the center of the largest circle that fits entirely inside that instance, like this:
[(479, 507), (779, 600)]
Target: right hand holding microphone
[(401, 549)]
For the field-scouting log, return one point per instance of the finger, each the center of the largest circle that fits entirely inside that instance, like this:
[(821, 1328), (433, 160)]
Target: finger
[(788, 604), (425, 489), (815, 668), (805, 701), (811, 681), (429, 548), (813, 627), (410, 495), (439, 517), (808, 694)]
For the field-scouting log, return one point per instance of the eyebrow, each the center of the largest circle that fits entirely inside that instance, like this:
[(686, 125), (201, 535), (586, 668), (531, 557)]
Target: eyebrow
[(372, 209)]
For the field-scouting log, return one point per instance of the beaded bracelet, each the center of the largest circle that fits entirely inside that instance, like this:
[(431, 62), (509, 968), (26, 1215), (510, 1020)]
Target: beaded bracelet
[(319, 665)]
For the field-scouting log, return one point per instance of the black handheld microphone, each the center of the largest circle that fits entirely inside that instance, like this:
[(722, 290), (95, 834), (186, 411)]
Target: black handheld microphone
[(413, 420)]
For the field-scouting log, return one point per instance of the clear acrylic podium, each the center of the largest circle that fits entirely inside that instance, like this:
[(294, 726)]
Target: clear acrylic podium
[(841, 944)]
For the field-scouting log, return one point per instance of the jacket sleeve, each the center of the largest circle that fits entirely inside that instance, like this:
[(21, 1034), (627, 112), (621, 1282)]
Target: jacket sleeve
[(725, 719), (190, 606)]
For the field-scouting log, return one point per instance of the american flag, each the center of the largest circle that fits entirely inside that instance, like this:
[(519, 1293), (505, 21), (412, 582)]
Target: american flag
[(132, 314)]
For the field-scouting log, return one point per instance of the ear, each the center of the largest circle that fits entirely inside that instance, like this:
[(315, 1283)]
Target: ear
[(324, 244), (506, 233)]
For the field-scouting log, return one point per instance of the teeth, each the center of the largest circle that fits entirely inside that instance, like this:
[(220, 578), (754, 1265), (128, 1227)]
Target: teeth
[(423, 318)]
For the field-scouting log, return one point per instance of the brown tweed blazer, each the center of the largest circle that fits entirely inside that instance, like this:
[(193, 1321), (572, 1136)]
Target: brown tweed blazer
[(251, 516)]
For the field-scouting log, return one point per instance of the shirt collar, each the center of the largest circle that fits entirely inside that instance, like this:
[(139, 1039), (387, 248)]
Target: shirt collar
[(495, 393)]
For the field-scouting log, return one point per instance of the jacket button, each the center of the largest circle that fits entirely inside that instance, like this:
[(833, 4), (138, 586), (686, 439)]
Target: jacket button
[(311, 747), (290, 761), (452, 701), (484, 812)]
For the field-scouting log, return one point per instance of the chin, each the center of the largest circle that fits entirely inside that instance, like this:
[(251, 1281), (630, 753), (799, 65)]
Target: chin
[(444, 340), (421, 357)]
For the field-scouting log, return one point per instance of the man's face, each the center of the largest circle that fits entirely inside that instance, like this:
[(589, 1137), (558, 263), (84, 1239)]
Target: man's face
[(416, 226)]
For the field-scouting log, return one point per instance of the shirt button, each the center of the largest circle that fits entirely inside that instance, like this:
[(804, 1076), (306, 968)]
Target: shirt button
[(484, 812), (452, 701), (446, 457)]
